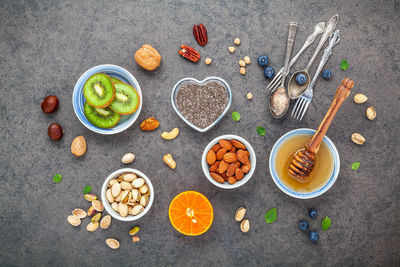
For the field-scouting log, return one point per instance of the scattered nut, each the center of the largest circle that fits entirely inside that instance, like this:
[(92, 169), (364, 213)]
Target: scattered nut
[(240, 213), (242, 70), (135, 239), (148, 57), (371, 113), (247, 60), (249, 96), (241, 63), (149, 124), (360, 98), (208, 61), (91, 211), (73, 220), (128, 158), (49, 104), (97, 205), (169, 161), (90, 197), (96, 218), (55, 132), (78, 146), (80, 213), (231, 49), (134, 230), (245, 226), (170, 135), (91, 227), (357, 138), (105, 222), (112, 243), (236, 41)]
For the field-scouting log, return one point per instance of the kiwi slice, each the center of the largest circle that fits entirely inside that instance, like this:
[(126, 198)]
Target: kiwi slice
[(99, 91), (126, 99), (101, 117), (115, 80)]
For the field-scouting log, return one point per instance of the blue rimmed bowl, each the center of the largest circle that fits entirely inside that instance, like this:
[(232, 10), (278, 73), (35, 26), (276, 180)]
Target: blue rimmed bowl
[(291, 192), (78, 99), (178, 85)]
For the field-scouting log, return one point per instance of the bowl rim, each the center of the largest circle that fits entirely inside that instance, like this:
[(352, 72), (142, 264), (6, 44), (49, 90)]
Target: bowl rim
[(114, 69), (322, 189), (107, 205), (226, 185), (210, 78)]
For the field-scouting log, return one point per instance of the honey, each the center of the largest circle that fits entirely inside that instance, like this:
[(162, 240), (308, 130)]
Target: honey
[(320, 174)]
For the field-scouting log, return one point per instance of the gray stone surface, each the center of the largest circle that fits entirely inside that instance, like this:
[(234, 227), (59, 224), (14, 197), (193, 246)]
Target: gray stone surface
[(46, 45)]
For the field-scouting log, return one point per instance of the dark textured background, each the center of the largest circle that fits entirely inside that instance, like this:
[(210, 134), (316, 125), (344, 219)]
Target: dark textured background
[(46, 46)]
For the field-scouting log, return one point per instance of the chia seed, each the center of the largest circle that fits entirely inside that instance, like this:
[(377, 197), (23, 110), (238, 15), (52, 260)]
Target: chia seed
[(202, 104)]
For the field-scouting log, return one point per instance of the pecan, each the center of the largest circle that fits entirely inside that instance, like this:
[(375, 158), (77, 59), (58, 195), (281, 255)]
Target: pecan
[(200, 34), (189, 53)]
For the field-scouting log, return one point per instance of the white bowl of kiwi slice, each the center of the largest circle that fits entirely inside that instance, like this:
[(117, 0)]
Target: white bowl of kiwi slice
[(107, 99)]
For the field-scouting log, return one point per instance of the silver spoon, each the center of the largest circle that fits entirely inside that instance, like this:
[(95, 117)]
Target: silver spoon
[(279, 100), (296, 90)]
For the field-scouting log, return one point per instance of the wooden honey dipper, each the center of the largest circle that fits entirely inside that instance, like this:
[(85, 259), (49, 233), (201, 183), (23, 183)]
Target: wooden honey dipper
[(303, 161)]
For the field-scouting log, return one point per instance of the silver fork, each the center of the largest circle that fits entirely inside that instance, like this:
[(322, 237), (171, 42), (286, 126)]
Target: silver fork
[(304, 100), (318, 29)]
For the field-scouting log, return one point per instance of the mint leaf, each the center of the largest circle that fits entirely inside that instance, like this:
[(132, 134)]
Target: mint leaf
[(87, 189), (260, 130), (344, 65), (270, 216), (236, 116), (57, 178), (355, 166), (326, 223)]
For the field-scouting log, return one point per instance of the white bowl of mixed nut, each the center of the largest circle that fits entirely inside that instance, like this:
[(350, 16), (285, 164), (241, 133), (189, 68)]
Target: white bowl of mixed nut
[(127, 194), (228, 161)]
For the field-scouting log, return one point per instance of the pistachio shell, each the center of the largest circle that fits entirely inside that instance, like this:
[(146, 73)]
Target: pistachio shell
[(135, 238), (134, 230), (112, 182), (73, 220), (138, 182), (143, 201), (371, 113), (114, 206), (115, 189), (125, 196), (96, 218), (80, 213), (129, 177), (91, 227), (91, 211), (112, 243), (123, 209), (245, 226), (130, 209), (105, 222), (90, 197), (143, 189), (137, 209), (119, 197), (109, 196), (126, 186), (97, 205), (360, 98), (239, 215), (128, 158), (357, 138), (135, 194)]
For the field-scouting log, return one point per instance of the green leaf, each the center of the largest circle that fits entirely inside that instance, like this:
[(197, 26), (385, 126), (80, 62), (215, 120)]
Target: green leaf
[(270, 216), (344, 65), (87, 189), (326, 223), (261, 130), (236, 116), (355, 166), (57, 178)]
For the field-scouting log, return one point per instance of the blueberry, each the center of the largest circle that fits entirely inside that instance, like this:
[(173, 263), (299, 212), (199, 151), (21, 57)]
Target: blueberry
[(313, 213), (301, 78), (327, 74), (314, 236), (269, 72), (263, 60), (303, 225)]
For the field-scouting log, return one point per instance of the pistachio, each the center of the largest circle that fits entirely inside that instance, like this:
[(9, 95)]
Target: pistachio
[(135, 194), (138, 182), (112, 243), (96, 218), (114, 206), (116, 189), (91, 211), (97, 205), (125, 196), (231, 49), (242, 70), (167, 158), (119, 179), (128, 158), (123, 209), (134, 230), (105, 222), (129, 177), (73, 220), (119, 197), (90, 197), (170, 135), (143, 189), (236, 41), (130, 209), (208, 61), (112, 182), (109, 196), (80, 213), (360, 98), (135, 238), (247, 60), (245, 226), (241, 63), (371, 113), (91, 227), (239, 215), (126, 185), (357, 138), (249, 96), (137, 209), (143, 201)]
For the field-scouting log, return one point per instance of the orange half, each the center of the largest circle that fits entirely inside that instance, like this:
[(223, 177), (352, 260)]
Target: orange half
[(191, 213)]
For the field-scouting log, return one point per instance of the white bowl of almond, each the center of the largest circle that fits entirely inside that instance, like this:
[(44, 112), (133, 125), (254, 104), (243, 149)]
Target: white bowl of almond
[(127, 194)]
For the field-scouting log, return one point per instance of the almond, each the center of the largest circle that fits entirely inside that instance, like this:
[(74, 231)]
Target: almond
[(223, 166), (224, 176), (216, 147), (218, 178), (233, 149), (238, 145), (231, 168), (78, 146), (215, 166), (211, 157), (225, 144), (149, 124), (239, 174), (220, 154), (242, 156), (230, 157), (232, 180), (246, 168)]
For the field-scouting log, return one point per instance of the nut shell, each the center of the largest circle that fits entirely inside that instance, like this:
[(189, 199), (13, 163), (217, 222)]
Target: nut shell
[(112, 243), (128, 158), (148, 57), (371, 113), (245, 226), (78, 146), (239, 214), (357, 138), (360, 98), (105, 222), (73, 220)]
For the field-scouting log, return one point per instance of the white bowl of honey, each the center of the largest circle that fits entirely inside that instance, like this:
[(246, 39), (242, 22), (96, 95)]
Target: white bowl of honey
[(323, 175)]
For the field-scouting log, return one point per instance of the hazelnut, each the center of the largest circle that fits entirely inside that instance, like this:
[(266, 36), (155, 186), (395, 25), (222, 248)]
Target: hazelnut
[(231, 49), (55, 131), (208, 61), (247, 60), (242, 70), (241, 63), (236, 41), (49, 104), (249, 96)]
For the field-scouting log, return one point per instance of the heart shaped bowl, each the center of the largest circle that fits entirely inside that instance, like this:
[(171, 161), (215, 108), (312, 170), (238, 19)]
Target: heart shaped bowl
[(175, 91), (78, 99)]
